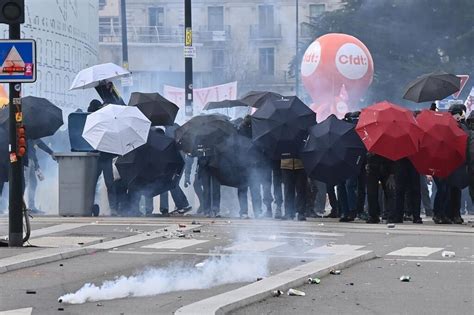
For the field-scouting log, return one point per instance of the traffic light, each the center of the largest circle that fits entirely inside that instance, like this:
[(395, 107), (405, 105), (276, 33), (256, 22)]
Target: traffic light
[(20, 141), (12, 11)]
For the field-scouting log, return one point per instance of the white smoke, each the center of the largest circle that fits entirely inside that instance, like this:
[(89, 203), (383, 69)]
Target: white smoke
[(215, 271)]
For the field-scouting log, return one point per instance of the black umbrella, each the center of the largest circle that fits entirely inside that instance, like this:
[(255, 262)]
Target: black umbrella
[(158, 162), (432, 87), (460, 177), (258, 98), (4, 155), (280, 126), (224, 104), (155, 107), (40, 117), (333, 152), (233, 160), (202, 133)]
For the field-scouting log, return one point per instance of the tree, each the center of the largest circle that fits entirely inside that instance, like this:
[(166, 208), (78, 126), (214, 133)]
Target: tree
[(406, 39)]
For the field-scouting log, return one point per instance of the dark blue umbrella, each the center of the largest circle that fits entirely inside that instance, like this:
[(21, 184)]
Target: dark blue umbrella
[(333, 151)]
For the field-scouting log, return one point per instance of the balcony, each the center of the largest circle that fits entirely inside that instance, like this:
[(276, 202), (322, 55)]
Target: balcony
[(112, 33), (208, 33), (262, 32)]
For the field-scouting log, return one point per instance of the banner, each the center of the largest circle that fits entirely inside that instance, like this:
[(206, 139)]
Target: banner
[(202, 96)]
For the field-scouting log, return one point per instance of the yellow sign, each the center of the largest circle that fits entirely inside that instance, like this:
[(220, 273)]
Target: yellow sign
[(188, 41), (19, 117)]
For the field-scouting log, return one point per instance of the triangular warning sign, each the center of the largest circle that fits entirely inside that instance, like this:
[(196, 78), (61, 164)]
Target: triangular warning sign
[(464, 78), (13, 63)]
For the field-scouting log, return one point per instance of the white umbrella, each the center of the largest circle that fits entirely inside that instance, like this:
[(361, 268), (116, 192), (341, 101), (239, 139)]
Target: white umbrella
[(116, 129), (90, 77)]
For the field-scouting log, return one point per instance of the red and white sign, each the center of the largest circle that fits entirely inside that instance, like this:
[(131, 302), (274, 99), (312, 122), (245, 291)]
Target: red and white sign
[(202, 96), (464, 78)]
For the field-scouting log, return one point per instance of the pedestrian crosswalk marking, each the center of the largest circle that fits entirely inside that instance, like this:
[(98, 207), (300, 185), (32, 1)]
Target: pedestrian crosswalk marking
[(19, 311), (175, 244), (316, 234), (415, 251), (255, 246), (334, 249), (63, 241)]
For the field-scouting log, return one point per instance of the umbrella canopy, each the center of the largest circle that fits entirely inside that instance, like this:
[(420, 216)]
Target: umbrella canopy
[(224, 104), (155, 107), (233, 160), (442, 146), (280, 126), (203, 133), (432, 87), (389, 130), (116, 129), (258, 98), (4, 155), (334, 152), (40, 117), (91, 77), (157, 162)]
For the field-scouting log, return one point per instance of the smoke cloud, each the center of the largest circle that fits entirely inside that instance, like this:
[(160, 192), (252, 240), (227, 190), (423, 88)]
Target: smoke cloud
[(212, 272)]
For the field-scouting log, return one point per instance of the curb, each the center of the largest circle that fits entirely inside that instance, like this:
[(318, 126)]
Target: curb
[(49, 255), (257, 291)]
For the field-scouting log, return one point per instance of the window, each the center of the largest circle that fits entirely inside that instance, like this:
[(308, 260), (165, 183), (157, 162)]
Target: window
[(215, 18), (265, 15), (316, 10), (218, 61), (156, 16), (267, 61)]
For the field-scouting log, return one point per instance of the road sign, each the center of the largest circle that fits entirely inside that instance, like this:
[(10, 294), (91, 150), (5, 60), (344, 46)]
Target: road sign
[(17, 61), (189, 52), (189, 37), (464, 78)]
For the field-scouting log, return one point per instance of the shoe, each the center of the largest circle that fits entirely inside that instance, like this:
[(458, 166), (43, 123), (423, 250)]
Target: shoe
[(332, 215), (301, 218), (418, 221), (442, 220), (363, 216), (244, 217), (408, 218), (397, 221), (286, 217), (278, 215), (267, 214), (346, 219), (373, 220), (458, 220)]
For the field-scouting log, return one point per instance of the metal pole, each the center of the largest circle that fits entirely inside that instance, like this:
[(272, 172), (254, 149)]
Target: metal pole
[(188, 61), (297, 67), (123, 18), (15, 214)]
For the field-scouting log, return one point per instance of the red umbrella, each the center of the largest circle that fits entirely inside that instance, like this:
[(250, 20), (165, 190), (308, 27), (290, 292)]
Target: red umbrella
[(389, 130), (443, 144)]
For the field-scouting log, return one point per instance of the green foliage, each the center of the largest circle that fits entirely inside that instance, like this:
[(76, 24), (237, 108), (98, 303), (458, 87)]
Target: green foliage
[(406, 38)]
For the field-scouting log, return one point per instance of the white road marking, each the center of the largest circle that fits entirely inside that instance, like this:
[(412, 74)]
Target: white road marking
[(316, 233), (63, 241), (415, 251), (19, 311), (431, 260), (175, 244), (334, 249), (255, 246), (53, 229)]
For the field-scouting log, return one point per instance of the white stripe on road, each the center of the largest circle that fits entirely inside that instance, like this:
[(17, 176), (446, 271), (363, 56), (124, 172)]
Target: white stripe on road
[(334, 249), (415, 251), (63, 241), (255, 246), (19, 311), (53, 229), (175, 244), (430, 260), (316, 233)]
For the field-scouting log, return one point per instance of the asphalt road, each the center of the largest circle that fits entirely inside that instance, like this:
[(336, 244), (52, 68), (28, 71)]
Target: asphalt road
[(437, 286)]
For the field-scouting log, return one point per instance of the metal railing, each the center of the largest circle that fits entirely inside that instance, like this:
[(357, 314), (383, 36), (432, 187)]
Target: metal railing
[(265, 32), (211, 33)]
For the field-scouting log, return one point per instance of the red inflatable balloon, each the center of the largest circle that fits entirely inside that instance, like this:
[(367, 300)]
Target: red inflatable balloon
[(336, 71)]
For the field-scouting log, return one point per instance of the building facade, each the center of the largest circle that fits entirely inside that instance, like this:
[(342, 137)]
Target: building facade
[(67, 40), (248, 41)]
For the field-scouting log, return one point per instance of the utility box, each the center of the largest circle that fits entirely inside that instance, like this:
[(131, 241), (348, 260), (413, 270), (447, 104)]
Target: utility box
[(77, 181)]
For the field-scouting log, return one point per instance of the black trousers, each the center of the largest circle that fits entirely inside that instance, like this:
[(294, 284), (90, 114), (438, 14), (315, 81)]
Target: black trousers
[(295, 192), (407, 184), (211, 190), (277, 184), (374, 176), (361, 190), (454, 208)]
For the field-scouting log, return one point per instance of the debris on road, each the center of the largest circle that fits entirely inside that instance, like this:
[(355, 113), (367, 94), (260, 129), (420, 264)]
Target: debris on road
[(277, 293), (195, 222), (196, 230), (199, 265), (418, 264), (335, 272), (99, 304), (181, 225), (294, 292), (448, 254), (391, 225), (314, 280), (61, 309), (30, 292), (60, 265), (259, 278), (405, 278)]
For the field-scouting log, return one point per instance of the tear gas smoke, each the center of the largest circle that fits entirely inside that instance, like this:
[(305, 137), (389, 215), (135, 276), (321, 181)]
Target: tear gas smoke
[(216, 271)]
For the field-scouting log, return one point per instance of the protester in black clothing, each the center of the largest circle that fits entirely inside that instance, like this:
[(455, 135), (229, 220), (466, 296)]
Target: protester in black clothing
[(294, 179), (408, 193), (379, 169), (470, 153), (211, 188)]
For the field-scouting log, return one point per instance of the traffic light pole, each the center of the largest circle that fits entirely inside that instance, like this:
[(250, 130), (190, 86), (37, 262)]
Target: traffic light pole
[(123, 18), (188, 61), (15, 215)]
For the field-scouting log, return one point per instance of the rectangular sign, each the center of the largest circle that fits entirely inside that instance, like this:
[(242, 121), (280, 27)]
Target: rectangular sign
[(189, 52), (18, 61)]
